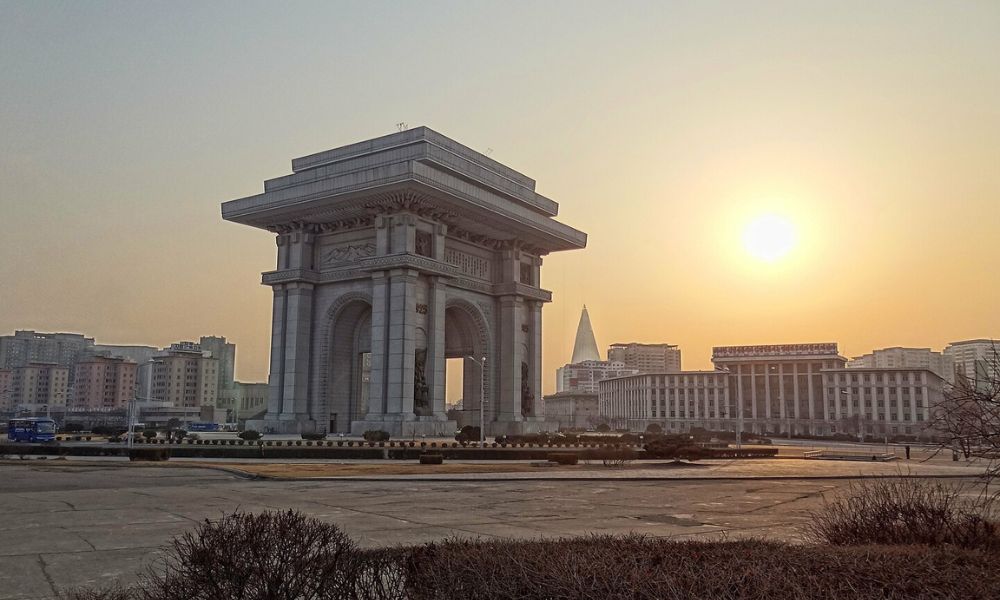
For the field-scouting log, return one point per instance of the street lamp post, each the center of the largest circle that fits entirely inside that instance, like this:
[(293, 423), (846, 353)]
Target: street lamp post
[(482, 402), (482, 396), (131, 421)]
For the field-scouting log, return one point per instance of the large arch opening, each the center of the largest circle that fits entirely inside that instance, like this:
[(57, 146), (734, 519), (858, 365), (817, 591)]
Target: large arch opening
[(350, 366), (466, 347)]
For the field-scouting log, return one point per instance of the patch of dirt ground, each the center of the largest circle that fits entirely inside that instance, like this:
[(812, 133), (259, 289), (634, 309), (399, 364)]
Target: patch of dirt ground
[(355, 469)]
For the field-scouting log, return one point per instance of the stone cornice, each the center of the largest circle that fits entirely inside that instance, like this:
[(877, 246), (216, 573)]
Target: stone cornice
[(289, 276), (408, 261), (443, 195), (426, 266), (520, 289)]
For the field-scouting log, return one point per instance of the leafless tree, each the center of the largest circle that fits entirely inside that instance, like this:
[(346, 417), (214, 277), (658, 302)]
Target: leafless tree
[(968, 417)]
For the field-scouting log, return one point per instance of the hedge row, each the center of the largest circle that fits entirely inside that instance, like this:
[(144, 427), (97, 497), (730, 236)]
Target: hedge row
[(289, 452), (358, 450), (634, 567), (373, 444)]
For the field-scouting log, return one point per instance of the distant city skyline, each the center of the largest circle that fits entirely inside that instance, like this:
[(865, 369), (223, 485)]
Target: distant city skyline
[(864, 138)]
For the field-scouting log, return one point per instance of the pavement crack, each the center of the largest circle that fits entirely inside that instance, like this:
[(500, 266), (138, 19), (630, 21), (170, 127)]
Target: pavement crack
[(782, 502), (45, 574), (179, 516), (80, 535)]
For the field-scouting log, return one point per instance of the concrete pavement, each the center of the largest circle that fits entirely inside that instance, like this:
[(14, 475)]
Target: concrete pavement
[(62, 527)]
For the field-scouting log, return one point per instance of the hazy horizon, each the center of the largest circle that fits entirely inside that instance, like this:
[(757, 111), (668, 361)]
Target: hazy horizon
[(662, 129)]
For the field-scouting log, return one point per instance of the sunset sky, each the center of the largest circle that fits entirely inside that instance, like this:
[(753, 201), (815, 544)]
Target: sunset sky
[(870, 131)]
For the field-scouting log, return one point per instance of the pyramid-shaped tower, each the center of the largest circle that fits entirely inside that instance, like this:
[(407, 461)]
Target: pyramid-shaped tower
[(585, 347)]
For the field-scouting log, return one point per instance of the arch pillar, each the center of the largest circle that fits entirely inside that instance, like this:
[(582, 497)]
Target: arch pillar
[(436, 347)]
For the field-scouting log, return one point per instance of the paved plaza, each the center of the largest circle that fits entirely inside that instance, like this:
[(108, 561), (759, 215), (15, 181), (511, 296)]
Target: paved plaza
[(63, 526)]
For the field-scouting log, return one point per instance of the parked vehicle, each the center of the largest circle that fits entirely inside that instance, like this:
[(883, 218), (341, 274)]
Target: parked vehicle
[(31, 429), (203, 427)]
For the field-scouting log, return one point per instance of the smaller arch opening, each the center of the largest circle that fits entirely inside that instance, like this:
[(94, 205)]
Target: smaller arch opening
[(349, 366), (466, 351)]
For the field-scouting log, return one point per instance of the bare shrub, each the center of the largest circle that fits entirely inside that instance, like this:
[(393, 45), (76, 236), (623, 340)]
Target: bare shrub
[(677, 448), (115, 593), (616, 457), (641, 568), (902, 510), (380, 575), (271, 555), (266, 556)]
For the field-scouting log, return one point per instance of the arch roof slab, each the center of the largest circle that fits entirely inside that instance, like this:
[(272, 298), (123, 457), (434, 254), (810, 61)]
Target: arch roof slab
[(441, 176)]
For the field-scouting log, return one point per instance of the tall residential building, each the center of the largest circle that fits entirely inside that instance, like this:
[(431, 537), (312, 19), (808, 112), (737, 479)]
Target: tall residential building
[(217, 348), (6, 381), (37, 385), (225, 352), (584, 376), (976, 359), (185, 378), (647, 358), (914, 358), (585, 346), (142, 356), (103, 383), (26, 347)]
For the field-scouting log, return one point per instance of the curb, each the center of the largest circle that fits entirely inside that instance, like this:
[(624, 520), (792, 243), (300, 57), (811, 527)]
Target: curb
[(391, 478), (128, 464)]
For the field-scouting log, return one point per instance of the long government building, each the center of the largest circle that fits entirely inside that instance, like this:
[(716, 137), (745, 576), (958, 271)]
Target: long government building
[(770, 389)]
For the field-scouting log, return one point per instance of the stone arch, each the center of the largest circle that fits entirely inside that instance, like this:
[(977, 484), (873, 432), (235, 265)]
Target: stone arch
[(467, 333), (345, 342)]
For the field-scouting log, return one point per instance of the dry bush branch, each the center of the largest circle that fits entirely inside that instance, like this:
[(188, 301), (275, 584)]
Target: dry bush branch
[(903, 510)]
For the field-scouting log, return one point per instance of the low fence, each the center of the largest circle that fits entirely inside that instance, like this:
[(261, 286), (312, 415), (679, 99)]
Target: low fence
[(742, 452), (403, 450)]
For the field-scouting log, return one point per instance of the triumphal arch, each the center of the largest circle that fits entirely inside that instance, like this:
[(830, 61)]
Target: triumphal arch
[(394, 255)]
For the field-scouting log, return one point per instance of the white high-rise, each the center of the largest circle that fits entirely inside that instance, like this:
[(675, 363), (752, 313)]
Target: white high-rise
[(648, 358), (975, 359), (898, 357)]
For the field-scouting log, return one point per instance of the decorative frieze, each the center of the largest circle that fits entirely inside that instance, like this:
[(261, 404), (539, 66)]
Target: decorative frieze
[(346, 254), (469, 264)]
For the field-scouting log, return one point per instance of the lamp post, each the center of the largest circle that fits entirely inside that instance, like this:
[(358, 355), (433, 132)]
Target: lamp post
[(482, 396), (739, 412), (482, 402), (131, 421)]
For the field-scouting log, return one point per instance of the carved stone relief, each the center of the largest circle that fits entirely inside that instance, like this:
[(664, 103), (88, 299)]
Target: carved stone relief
[(421, 399), (527, 398), (424, 244), (469, 264), (346, 254)]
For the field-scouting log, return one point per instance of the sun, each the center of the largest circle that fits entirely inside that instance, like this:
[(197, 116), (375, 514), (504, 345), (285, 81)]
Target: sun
[(769, 237)]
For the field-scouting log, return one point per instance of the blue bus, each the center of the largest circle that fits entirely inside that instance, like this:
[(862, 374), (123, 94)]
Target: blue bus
[(203, 427), (31, 429)]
